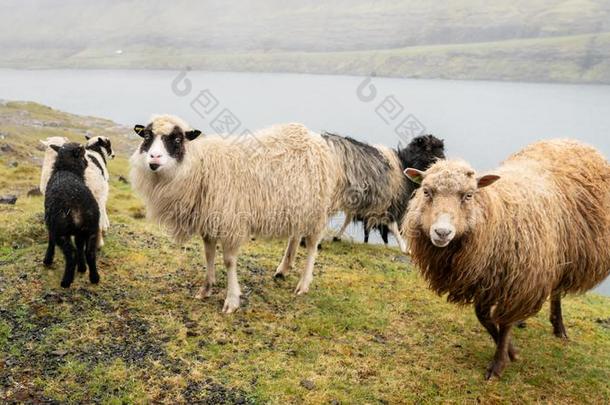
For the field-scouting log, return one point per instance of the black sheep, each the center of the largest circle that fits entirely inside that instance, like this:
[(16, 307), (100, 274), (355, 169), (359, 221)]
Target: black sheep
[(71, 211), (420, 153)]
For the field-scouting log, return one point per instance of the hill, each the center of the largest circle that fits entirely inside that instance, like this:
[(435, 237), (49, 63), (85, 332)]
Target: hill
[(369, 331), (541, 40)]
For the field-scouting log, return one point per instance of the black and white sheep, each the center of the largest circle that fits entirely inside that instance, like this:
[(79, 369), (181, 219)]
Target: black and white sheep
[(373, 187), (71, 211), (277, 183), (98, 152)]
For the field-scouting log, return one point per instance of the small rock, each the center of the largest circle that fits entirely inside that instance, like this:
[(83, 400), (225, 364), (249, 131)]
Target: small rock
[(603, 322), (123, 180), (402, 259), (8, 199), (59, 353), (308, 384), (380, 339), (335, 402), (14, 163), (6, 148), (35, 192), (191, 333)]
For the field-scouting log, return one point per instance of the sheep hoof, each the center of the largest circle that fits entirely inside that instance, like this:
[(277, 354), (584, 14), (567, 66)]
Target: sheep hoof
[(47, 263), (94, 278), (66, 283), (560, 333), (204, 292), (231, 304), (279, 276), (495, 369), (336, 239), (302, 288)]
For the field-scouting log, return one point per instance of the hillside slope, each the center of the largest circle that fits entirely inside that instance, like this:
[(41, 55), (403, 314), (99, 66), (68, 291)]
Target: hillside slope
[(368, 332), (541, 40)]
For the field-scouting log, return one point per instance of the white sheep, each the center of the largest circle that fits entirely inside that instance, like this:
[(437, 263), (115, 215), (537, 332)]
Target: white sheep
[(277, 183), (98, 151)]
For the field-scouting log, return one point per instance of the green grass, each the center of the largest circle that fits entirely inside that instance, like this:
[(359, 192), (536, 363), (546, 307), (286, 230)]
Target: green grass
[(369, 331)]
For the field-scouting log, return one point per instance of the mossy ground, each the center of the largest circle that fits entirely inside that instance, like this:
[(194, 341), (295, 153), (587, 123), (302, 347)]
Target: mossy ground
[(369, 331)]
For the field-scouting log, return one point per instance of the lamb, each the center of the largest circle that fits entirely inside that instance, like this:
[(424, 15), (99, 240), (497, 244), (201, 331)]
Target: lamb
[(277, 183), (71, 211), (98, 151), (538, 227), (375, 190)]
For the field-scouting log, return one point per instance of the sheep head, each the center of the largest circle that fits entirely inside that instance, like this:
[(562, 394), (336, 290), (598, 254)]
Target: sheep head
[(163, 142), (100, 144), (445, 206)]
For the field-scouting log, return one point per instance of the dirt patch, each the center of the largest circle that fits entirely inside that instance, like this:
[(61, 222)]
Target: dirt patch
[(209, 392)]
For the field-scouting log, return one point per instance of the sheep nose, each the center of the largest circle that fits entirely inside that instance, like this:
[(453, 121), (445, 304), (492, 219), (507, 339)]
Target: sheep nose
[(442, 233), (155, 156)]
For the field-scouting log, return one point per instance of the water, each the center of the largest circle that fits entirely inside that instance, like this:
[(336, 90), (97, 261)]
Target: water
[(482, 122)]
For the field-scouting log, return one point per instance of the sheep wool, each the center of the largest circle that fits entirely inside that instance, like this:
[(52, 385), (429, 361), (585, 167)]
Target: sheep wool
[(279, 182), (541, 230)]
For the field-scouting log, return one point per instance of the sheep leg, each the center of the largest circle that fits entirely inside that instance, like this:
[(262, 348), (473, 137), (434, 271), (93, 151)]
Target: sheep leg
[(383, 230), (501, 356), (91, 252), (81, 266), (559, 329), (483, 313), (100, 239), (337, 237), (367, 231), (307, 274), (65, 244), (48, 257), (233, 291), (289, 256), (210, 275), (393, 227)]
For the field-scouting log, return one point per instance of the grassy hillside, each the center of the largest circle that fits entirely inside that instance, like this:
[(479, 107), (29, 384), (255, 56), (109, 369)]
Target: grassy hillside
[(541, 40), (368, 332)]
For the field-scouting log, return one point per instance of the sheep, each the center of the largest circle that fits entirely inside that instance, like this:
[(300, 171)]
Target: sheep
[(374, 187), (536, 227), (71, 211), (98, 151), (277, 183)]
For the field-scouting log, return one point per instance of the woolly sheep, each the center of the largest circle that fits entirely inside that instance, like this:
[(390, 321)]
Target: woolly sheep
[(538, 227), (98, 151), (277, 183), (374, 188), (71, 211)]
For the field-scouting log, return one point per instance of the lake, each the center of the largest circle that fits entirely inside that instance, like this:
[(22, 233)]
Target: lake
[(482, 122)]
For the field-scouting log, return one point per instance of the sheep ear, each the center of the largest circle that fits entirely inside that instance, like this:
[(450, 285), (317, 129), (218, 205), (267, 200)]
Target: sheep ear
[(416, 176), (79, 152), (55, 147), (193, 134), (138, 129), (487, 180), (87, 137)]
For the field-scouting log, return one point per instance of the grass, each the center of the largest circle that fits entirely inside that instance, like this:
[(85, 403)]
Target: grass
[(369, 331)]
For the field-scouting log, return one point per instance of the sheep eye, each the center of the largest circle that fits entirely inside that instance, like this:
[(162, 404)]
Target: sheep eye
[(427, 193), (468, 196)]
